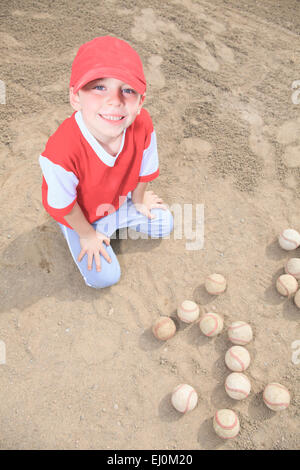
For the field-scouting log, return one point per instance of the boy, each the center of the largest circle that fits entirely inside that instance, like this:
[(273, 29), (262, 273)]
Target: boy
[(97, 164)]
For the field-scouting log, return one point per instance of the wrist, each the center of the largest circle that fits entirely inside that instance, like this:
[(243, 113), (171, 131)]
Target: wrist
[(137, 198), (87, 232)]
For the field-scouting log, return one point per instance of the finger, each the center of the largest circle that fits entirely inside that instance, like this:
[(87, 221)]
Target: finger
[(151, 216), (81, 255), (103, 238), (105, 255), (98, 262), (90, 260)]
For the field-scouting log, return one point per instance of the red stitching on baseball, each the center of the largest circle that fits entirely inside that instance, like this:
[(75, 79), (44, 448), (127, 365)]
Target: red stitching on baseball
[(218, 292), (286, 404), (238, 359), (214, 280), (178, 387), (242, 341), (237, 326), (284, 287), (230, 437), (236, 390), (188, 400), (216, 323), (226, 427), (161, 323), (276, 404), (188, 309), (217, 282), (291, 241)]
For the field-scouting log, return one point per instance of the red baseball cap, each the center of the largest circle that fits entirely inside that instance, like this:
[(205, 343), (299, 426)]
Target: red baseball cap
[(107, 57)]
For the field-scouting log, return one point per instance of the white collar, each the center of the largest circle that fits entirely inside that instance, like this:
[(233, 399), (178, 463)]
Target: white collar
[(104, 156)]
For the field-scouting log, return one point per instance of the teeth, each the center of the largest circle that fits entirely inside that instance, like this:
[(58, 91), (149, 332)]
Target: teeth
[(112, 118)]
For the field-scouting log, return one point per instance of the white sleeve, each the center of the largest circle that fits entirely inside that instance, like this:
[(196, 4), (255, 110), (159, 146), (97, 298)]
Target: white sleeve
[(150, 158), (61, 184)]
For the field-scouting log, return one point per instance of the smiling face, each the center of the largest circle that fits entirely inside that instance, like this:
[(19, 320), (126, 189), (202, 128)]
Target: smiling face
[(108, 106)]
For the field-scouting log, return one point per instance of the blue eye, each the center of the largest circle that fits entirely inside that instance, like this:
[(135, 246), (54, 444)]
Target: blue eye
[(130, 91), (99, 87)]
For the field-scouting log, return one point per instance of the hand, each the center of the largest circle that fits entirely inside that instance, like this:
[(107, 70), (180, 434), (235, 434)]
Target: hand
[(150, 201), (92, 245)]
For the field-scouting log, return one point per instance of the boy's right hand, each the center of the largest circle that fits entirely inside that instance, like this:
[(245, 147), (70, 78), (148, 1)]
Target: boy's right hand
[(93, 245)]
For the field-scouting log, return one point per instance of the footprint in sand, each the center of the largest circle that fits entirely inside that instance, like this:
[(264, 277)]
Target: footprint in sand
[(289, 135), (148, 27), (145, 25), (6, 40), (259, 144), (153, 73), (194, 144)]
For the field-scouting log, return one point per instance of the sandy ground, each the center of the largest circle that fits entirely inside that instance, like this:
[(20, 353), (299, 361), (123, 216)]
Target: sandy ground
[(83, 370)]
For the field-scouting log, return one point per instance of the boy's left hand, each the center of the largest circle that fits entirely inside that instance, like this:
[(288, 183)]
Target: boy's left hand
[(150, 201)]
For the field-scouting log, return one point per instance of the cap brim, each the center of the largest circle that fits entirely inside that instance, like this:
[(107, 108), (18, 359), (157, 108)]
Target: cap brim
[(111, 72)]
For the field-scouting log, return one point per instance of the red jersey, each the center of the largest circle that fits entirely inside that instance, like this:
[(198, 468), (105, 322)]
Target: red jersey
[(77, 168)]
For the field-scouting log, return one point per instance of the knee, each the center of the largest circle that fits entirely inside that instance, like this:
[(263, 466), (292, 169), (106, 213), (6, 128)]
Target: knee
[(107, 278), (163, 223)]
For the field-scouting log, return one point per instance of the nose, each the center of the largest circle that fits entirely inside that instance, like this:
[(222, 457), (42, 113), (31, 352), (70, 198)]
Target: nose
[(114, 97)]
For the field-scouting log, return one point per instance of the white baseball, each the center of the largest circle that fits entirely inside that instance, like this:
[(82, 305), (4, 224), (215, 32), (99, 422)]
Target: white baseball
[(276, 396), (297, 298), (237, 386), (226, 424), (211, 324), (286, 285), (240, 332), (188, 311), (184, 398), (164, 328), (215, 284), (293, 267), (289, 239), (237, 358)]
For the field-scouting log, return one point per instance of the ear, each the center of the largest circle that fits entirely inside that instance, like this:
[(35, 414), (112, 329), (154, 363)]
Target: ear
[(74, 100), (142, 99)]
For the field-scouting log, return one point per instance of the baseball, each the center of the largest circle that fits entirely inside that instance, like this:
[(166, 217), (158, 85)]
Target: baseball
[(237, 358), (276, 396), (164, 328), (215, 284), (286, 285), (211, 324), (289, 239), (226, 424), (188, 311), (297, 298), (240, 332), (237, 386), (293, 267), (184, 398)]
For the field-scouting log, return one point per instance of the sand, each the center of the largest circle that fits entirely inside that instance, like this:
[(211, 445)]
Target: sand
[(83, 370)]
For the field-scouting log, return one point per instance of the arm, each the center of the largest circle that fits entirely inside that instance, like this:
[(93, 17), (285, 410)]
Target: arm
[(91, 241), (78, 222), (137, 195)]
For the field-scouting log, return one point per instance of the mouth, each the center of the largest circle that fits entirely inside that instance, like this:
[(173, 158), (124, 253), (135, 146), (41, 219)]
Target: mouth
[(112, 118)]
